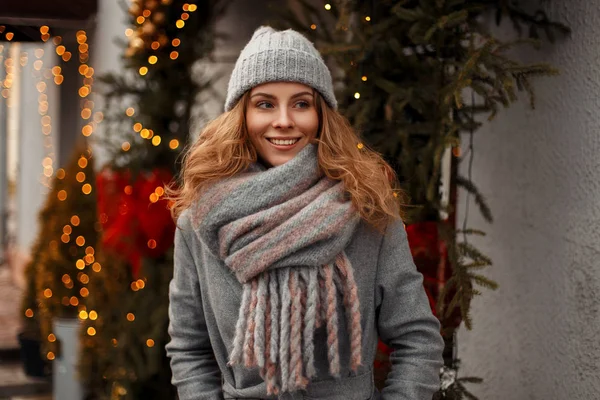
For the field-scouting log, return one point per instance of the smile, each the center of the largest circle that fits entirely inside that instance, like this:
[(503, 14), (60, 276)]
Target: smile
[(283, 143)]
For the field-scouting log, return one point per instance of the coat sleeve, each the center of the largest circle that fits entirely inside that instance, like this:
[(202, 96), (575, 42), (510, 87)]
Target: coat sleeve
[(196, 374), (405, 322)]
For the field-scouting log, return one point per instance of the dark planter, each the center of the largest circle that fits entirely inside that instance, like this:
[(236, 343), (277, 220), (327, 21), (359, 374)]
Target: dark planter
[(33, 364)]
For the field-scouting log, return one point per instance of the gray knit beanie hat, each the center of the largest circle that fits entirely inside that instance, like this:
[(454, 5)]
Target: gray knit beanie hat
[(279, 56)]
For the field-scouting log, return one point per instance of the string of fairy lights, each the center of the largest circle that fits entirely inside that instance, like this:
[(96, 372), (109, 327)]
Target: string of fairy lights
[(148, 38), (146, 22), (43, 77)]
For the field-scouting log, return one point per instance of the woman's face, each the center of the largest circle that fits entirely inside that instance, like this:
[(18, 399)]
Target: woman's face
[(281, 119)]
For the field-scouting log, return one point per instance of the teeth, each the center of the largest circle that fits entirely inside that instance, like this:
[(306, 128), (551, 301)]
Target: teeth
[(283, 142)]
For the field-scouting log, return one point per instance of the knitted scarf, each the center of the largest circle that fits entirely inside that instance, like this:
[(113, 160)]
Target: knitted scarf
[(282, 231)]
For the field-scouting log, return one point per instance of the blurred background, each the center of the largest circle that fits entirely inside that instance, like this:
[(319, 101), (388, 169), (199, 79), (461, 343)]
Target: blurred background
[(486, 110)]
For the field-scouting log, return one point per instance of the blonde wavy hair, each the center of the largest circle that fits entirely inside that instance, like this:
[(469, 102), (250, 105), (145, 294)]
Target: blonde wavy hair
[(224, 149)]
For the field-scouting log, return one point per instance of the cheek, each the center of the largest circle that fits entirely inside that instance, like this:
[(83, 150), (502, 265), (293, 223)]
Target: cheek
[(256, 124), (309, 124)]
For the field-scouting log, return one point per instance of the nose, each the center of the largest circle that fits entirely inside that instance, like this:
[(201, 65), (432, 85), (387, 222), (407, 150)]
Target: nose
[(283, 120)]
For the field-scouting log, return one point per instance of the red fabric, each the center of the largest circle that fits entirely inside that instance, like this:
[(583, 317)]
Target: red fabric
[(130, 220)]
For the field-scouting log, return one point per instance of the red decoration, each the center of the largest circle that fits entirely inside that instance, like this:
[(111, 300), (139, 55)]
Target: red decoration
[(135, 217)]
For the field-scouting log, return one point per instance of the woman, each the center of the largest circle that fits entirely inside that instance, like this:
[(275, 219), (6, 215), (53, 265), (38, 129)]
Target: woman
[(290, 256)]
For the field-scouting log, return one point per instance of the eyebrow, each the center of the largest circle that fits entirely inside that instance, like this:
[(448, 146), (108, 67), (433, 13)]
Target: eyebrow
[(270, 96)]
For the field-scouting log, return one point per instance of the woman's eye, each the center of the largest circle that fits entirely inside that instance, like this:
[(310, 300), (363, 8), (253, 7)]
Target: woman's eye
[(264, 104), (303, 104)]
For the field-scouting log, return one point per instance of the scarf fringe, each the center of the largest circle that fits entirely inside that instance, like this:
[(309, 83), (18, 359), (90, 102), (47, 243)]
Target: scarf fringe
[(279, 313)]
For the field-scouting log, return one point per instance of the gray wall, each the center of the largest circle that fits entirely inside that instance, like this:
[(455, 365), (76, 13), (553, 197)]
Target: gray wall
[(537, 336)]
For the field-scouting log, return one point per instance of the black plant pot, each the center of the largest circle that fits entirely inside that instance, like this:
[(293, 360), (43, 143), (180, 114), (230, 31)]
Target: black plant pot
[(33, 364)]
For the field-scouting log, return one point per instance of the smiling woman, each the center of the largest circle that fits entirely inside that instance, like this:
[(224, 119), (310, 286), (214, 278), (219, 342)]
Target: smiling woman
[(281, 118), (290, 256)]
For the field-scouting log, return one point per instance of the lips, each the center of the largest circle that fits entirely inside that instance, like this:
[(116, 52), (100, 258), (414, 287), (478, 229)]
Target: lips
[(283, 143)]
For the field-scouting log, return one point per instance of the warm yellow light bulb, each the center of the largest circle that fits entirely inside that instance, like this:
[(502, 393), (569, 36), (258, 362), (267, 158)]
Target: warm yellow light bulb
[(357, 95), (87, 130), (84, 91), (328, 6), (91, 331), (143, 70), (180, 23), (156, 140), (152, 59)]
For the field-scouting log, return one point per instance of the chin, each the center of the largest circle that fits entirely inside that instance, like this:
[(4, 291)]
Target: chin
[(276, 161)]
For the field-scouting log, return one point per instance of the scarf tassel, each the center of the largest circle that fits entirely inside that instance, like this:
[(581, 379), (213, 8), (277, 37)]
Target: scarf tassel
[(279, 313)]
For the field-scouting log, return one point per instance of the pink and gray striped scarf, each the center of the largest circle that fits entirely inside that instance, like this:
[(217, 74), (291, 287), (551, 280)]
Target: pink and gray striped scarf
[(283, 231)]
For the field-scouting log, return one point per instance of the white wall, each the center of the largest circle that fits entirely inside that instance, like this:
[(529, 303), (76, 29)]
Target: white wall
[(31, 193), (537, 337)]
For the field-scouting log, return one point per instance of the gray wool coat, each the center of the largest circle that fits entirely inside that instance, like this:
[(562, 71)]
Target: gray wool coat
[(204, 303)]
